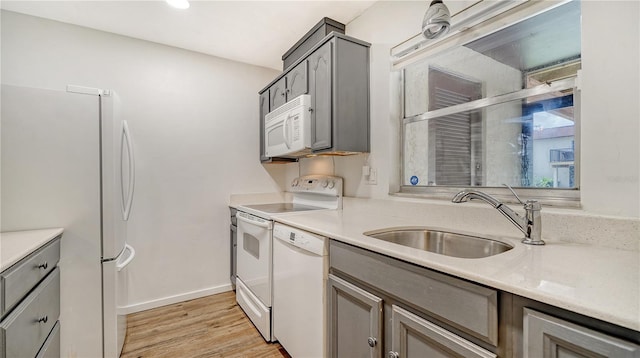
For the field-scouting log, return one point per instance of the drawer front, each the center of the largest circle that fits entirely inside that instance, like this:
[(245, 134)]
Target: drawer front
[(18, 280), (51, 347), (470, 308), (257, 312), (25, 329)]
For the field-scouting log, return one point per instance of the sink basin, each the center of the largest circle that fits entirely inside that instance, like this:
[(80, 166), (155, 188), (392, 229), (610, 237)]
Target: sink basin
[(441, 242)]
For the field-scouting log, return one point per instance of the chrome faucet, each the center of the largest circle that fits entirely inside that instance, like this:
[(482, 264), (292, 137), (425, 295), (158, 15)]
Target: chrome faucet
[(530, 224)]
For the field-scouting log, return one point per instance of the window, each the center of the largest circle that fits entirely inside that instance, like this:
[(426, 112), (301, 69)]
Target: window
[(494, 105)]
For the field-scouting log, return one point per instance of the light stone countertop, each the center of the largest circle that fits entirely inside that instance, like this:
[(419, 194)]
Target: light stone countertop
[(16, 245), (595, 281)]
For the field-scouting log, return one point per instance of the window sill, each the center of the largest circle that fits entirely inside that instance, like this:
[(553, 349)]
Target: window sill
[(560, 198)]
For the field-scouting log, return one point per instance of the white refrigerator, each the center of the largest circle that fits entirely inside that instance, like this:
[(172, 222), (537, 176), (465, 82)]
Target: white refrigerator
[(67, 161)]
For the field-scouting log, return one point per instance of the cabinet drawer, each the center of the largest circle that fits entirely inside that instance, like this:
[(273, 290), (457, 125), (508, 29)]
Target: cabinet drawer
[(471, 308), (18, 280), (24, 330), (51, 347)]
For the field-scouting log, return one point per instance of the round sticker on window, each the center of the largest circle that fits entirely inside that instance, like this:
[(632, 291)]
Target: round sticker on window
[(414, 180)]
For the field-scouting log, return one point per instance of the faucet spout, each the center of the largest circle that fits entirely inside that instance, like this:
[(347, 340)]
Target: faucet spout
[(530, 224)]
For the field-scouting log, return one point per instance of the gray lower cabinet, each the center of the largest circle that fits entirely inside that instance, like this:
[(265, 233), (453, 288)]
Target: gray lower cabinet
[(549, 337), (355, 320), (414, 336), (379, 305), (31, 292), (405, 310), (51, 347)]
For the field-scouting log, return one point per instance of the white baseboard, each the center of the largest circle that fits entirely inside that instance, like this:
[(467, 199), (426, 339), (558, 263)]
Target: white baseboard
[(143, 306)]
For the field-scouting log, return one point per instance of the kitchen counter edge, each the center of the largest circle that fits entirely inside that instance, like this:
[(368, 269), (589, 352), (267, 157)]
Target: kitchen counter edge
[(16, 245)]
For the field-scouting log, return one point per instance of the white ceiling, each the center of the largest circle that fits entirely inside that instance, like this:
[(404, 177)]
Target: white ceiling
[(255, 32)]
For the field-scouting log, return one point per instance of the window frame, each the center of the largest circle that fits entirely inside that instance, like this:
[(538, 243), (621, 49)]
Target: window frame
[(416, 49)]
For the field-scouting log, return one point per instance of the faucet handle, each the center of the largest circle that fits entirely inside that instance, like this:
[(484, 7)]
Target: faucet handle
[(514, 194)]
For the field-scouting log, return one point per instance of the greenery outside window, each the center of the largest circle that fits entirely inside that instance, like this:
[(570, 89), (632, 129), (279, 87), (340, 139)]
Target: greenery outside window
[(495, 104)]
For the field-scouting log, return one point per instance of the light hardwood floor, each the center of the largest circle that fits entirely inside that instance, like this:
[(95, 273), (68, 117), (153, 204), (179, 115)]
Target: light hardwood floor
[(212, 326)]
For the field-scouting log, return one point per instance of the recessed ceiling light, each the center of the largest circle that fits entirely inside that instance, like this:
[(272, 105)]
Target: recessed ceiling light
[(178, 4)]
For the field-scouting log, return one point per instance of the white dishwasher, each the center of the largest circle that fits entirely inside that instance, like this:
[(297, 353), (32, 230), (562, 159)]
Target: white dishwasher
[(300, 265)]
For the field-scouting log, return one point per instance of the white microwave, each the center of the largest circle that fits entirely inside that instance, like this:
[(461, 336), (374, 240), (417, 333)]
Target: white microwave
[(287, 129)]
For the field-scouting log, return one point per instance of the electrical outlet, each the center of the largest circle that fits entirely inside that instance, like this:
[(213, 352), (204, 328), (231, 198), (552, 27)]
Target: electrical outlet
[(373, 176)]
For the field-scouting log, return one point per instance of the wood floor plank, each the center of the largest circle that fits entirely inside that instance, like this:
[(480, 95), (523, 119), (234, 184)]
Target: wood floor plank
[(212, 326)]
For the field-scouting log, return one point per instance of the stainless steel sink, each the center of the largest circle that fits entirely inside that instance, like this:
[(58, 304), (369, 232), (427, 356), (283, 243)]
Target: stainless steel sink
[(441, 242)]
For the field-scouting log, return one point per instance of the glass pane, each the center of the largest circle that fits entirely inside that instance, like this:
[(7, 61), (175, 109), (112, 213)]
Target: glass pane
[(523, 143), (416, 159), (502, 61)]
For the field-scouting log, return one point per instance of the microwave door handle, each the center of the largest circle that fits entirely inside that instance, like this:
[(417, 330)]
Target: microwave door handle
[(286, 132)]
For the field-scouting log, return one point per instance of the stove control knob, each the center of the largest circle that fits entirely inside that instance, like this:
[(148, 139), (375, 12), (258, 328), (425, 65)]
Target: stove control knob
[(331, 184), (324, 183), (294, 182)]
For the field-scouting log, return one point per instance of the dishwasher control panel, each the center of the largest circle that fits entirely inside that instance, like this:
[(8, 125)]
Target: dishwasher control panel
[(302, 239)]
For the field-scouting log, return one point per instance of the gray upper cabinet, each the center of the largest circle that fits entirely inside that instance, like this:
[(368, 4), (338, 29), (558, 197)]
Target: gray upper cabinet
[(335, 74), (320, 84), (297, 81), (291, 85), (354, 320), (339, 89), (547, 336), (278, 93)]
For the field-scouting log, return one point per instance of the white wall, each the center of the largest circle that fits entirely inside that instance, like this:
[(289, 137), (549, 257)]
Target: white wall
[(610, 125), (610, 164), (194, 121)]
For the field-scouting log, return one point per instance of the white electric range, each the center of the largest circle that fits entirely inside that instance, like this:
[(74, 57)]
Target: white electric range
[(254, 281)]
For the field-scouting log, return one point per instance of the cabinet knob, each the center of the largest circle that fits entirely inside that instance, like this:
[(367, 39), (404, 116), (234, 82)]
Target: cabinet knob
[(393, 354), (310, 109), (372, 342), (43, 319), (282, 94), (43, 265)]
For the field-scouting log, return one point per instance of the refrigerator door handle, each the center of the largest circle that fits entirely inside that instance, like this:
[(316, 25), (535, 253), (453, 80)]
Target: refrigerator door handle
[(126, 203), (132, 254)]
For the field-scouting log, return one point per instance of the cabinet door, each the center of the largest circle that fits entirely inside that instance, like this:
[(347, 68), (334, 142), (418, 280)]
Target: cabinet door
[(278, 94), (297, 81), (354, 320), (414, 336), (547, 336), (320, 89), (264, 109)]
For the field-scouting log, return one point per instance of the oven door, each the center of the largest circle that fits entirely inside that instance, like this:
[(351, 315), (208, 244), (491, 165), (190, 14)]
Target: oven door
[(254, 255)]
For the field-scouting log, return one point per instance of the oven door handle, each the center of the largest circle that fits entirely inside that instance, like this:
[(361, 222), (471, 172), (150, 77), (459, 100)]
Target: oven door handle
[(253, 222)]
